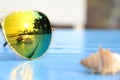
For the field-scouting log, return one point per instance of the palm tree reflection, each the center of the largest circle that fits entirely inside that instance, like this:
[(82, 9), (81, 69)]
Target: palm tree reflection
[(41, 26)]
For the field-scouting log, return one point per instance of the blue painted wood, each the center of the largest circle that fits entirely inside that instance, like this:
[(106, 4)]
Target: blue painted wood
[(61, 61)]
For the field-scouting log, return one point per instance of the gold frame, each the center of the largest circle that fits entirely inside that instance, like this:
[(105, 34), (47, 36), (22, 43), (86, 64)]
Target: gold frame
[(1, 25)]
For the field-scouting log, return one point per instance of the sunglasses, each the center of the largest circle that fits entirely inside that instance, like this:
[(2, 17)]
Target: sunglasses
[(28, 33)]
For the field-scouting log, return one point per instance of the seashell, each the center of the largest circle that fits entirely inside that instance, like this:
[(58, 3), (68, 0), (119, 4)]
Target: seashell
[(103, 62)]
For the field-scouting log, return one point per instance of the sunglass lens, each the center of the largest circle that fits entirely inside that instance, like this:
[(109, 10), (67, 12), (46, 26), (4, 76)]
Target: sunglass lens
[(28, 33)]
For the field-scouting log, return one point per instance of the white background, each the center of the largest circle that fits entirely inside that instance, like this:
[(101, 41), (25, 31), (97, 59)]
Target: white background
[(58, 11)]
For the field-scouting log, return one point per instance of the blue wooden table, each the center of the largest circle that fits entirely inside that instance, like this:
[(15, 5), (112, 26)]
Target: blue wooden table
[(62, 61)]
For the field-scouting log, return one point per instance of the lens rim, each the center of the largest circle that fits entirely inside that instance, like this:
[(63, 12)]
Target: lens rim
[(5, 37)]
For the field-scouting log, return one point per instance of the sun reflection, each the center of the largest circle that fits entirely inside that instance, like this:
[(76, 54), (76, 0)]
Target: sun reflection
[(19, 21), (26, 25)]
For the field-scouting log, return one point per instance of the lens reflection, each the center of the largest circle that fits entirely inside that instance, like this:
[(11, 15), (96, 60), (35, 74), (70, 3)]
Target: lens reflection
[(28, 33)]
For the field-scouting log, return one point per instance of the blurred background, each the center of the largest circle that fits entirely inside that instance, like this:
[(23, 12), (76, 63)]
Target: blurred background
[(62, 13), (77, 14), (69, 46), (103, 14)]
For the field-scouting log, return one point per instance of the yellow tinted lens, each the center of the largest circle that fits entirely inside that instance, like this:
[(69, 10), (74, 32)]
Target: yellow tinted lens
[(28, 33)]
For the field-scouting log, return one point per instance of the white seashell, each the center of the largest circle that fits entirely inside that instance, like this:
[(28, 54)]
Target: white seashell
[(103, 62)]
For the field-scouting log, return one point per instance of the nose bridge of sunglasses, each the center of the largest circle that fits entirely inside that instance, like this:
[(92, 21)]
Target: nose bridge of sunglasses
[(1, 28), (2, 15)]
